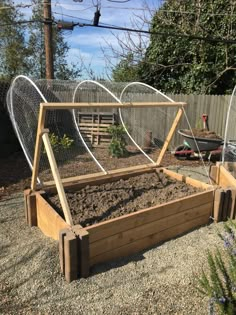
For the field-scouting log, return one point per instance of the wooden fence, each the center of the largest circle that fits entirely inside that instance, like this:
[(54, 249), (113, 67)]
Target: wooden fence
[(143, 120)]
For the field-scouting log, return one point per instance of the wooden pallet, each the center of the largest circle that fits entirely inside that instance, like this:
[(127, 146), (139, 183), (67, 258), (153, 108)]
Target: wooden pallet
[(93, 126)]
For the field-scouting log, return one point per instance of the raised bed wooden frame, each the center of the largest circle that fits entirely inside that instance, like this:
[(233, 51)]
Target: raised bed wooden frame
[(225, 195), (82, 247)]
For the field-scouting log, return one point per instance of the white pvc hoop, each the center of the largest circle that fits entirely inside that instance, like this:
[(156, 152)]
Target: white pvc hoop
[(121, 118), (122, 122), (13, 116), (148, 86)]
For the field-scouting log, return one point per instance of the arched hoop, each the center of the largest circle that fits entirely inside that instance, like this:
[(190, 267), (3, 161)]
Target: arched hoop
[(13, 116), (122, 122)]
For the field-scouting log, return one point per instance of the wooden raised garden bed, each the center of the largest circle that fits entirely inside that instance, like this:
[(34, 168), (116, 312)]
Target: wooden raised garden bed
[(81, 247)]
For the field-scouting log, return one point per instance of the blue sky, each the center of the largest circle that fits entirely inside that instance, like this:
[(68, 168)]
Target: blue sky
[(85, 42)]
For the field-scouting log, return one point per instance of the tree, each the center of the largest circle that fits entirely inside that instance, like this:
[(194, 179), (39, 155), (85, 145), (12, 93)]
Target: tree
[(13, 52), (63, 70), (131, 46), (177, 62), (126, 70)]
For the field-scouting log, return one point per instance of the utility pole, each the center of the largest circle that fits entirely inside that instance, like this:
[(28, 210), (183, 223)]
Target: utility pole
[(47, 14)]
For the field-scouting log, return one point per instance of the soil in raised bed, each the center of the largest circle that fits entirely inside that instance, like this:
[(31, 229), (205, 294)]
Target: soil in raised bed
[(202, 133), (93, 204)]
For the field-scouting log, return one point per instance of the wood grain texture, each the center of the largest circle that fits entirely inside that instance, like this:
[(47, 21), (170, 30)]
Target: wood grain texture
[(120, 239), (57, 179), (151, 240), (169, 136), (65, 105), (48, 220), (38, 146), (225, 179), (188, 180), (130, 221)]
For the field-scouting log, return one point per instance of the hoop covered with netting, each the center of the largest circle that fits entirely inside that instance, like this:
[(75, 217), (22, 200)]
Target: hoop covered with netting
[(68, 135)]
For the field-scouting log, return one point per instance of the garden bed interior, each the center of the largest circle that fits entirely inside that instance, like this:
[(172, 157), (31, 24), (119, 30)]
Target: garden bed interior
[(142, 222)]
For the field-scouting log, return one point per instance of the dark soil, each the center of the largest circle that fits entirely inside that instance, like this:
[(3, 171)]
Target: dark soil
[(202, 133), (94, 204)]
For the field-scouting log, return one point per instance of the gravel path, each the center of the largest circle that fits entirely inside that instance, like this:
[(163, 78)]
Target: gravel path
[(157, 281)]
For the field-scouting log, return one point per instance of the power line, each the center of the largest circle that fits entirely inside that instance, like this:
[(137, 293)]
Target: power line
[(191, 37), (71, 16), (118, 28)]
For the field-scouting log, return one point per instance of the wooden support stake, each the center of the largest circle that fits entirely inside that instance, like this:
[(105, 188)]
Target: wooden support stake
[(218, 204), (226, 205), (38, 145), (26, 194), (214, 170), (62, 235), (57, 179), (30, 207), (233, 203), (32, 210), (68, 251), (83, 242), (169, 136), (30, 199)]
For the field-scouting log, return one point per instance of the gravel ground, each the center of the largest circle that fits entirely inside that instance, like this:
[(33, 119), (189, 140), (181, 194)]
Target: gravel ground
[(161, 280)]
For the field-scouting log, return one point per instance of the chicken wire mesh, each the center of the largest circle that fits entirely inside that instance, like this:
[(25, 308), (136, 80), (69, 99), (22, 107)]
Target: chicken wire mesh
[(81, 138)]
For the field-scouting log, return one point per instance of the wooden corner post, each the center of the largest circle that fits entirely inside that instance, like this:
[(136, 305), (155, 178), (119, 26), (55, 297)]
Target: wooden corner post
[(68, 252), (74, 253)]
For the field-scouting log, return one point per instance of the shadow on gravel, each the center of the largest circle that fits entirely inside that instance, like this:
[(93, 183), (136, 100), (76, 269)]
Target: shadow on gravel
[(9, 219), (104, 267), (11, 302), (15, 266), (3, 250)]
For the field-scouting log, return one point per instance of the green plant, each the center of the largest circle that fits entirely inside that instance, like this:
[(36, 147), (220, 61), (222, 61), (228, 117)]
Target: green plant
[(199, 124), (58, 143), (220, 284), (117, 146), (66, 142)]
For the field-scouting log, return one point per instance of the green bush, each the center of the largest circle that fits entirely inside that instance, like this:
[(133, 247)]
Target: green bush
[(117, 146), (58, 143), (220, 284)]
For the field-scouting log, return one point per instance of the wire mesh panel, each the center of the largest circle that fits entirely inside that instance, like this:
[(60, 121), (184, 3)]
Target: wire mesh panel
[(149, 122), (23, 101), (132, 136)]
